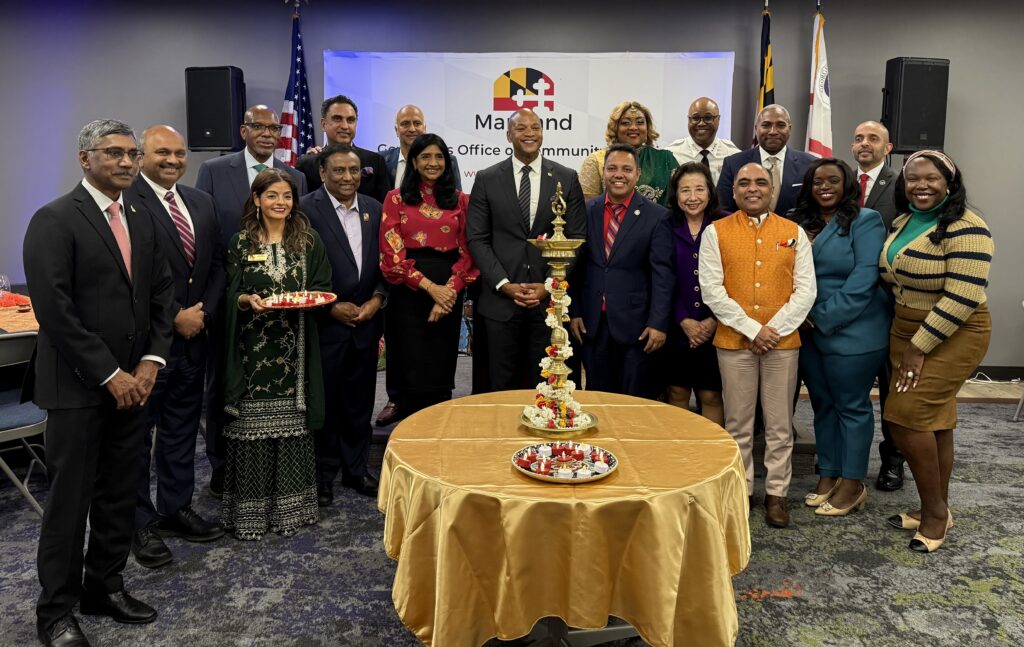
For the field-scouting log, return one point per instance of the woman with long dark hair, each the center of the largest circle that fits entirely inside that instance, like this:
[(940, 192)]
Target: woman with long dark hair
[(424, 253), (937, 259), (846, 334), (273, 383), (691, 360)]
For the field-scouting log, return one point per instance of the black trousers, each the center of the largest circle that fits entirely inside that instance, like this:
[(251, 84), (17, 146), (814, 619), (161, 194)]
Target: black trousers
[(618, 368), (92, 460), (515, 348), (173, 413), (350, 381), (216, 444)]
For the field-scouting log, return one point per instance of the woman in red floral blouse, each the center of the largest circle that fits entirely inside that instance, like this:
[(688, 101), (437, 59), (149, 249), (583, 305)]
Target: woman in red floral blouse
[(424, 254)]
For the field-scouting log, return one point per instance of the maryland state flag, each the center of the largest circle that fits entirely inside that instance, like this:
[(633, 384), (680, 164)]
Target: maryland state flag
[(523, 87), (766, 92)]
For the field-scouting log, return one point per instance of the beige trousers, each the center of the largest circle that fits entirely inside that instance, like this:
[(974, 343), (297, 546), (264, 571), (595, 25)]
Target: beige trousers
[(775, 373)]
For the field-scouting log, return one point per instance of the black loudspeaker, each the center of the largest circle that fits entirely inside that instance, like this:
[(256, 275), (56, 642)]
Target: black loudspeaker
[(214, 105), (914, 102)]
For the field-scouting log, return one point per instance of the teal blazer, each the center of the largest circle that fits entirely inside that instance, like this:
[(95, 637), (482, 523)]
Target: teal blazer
[(851, 313)]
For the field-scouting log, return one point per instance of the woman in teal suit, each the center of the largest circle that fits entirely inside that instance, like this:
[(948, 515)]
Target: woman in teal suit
[(846, 335)]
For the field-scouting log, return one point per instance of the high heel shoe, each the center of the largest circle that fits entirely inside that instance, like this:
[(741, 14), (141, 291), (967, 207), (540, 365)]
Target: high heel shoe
[(903, 521), (828, 510), (813, 499)]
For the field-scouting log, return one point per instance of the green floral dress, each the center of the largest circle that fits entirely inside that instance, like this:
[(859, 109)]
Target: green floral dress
[(273, 391)]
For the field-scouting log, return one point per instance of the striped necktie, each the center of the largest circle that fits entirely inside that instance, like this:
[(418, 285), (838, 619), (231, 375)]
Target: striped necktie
[(188, 241), (618, 210), (524, 196)]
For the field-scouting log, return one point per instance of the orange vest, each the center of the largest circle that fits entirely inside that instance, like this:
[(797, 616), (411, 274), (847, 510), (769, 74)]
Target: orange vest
[(757, 264)]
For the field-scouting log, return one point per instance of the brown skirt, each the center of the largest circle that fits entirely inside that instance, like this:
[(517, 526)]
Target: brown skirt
[(931, 405)]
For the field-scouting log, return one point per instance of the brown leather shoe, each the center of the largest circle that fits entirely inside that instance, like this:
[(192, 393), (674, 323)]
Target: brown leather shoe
[(388, 414), (776, 513)]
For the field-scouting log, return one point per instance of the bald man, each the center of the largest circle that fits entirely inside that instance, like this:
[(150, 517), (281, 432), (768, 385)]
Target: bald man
[(756, 274), (410, 124), (189, 236), (228, 180), (703, 145)]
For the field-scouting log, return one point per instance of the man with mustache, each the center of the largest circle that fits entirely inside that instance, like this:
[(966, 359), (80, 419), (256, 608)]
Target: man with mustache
[(877, 187), (189, 235), (102, 293), (756, 274), (703, 145), (786, 166)]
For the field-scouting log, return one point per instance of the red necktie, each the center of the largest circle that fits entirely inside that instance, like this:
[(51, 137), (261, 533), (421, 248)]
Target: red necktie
[(863, 188), (120, 235), (188, 241), (613, 228)]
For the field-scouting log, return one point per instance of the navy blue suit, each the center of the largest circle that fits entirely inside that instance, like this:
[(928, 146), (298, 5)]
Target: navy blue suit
[(176, 403), (348, 355), (793, 169), (636, 282), (392, 154)]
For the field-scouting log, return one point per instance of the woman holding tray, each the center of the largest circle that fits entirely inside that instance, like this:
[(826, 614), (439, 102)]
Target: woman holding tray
[(273, 382)]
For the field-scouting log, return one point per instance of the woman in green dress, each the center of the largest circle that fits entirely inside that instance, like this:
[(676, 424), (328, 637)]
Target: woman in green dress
[(631, 123), (273, 383)]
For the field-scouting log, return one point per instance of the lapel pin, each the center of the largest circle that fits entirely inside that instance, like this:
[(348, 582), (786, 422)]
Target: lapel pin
[(132, 207), (881, 183), (636, 213), (366, 217), (549, 173)]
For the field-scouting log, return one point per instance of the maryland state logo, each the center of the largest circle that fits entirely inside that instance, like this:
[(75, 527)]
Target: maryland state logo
[(523, 87)]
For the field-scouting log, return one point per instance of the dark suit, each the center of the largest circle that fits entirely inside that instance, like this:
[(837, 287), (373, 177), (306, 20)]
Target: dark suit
[(636, 282), (793, 169), (499, 242), (226, 178), (176, 404), (392, 155), (374, 181), (348, 355), (93, 320), (882, 198)]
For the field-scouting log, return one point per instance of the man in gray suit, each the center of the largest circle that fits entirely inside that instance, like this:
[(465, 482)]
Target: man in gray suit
[(228, 180), (511, 204), (877, 186)]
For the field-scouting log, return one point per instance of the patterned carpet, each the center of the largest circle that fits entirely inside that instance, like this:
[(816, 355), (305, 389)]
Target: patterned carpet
[(821, 583)]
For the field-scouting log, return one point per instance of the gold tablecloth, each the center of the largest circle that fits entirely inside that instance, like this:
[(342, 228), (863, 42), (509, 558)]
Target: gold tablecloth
[(13, 321), (484, 551)]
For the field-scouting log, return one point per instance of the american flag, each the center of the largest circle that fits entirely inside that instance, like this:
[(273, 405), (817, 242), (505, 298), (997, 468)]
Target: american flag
[(297, 113)]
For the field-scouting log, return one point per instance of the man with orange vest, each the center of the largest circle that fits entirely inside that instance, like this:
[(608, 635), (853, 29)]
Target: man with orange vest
[(757, 276)]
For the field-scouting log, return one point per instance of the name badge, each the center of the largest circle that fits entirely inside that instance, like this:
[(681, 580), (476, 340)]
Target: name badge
[(256, 258)]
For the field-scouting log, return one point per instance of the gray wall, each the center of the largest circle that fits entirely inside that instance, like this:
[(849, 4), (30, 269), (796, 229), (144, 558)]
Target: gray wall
[(63, 65)]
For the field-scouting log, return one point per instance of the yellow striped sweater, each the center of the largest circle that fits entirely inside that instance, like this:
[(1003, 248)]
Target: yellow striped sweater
[(948, 279)]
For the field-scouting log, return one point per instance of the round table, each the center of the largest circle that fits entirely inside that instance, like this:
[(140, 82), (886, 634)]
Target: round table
[(484, 551)]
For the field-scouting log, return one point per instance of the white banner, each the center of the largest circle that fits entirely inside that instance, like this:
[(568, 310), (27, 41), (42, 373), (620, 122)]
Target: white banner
[(467, 98)]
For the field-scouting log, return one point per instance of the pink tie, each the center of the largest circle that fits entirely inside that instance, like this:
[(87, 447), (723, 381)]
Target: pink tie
[(120, 235)]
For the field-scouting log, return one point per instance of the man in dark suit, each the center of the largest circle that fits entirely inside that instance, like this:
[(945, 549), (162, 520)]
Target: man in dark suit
[(349, 225), (786, 166), (877, 184), (102, 293), (338, 117), (409, 124), (622, 308), (228, 180), (509, 206), (189, 236)]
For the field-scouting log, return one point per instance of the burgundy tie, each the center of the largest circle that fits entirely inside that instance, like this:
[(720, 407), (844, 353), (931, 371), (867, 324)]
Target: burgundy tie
[(863, 188), (188, 241), (120, 235), (613, 228)]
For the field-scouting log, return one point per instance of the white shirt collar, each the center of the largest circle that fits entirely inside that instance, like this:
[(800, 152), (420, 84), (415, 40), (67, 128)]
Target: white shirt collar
[(336, 204), (159, 190), (102, 201), (765, 155), (251, 161), (873, 173), (517, 165)]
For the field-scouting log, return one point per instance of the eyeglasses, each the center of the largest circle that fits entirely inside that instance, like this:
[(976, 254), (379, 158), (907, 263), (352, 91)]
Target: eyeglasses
[(708, 119), (273, 129), (117, 154)]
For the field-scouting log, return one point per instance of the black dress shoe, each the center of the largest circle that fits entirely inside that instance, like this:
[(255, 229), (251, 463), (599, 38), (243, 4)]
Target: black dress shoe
[(63, 633), (118, 605), (324, 493), (362, 484), (188, 525), (890, 477), (217, 483), (149, 549)]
